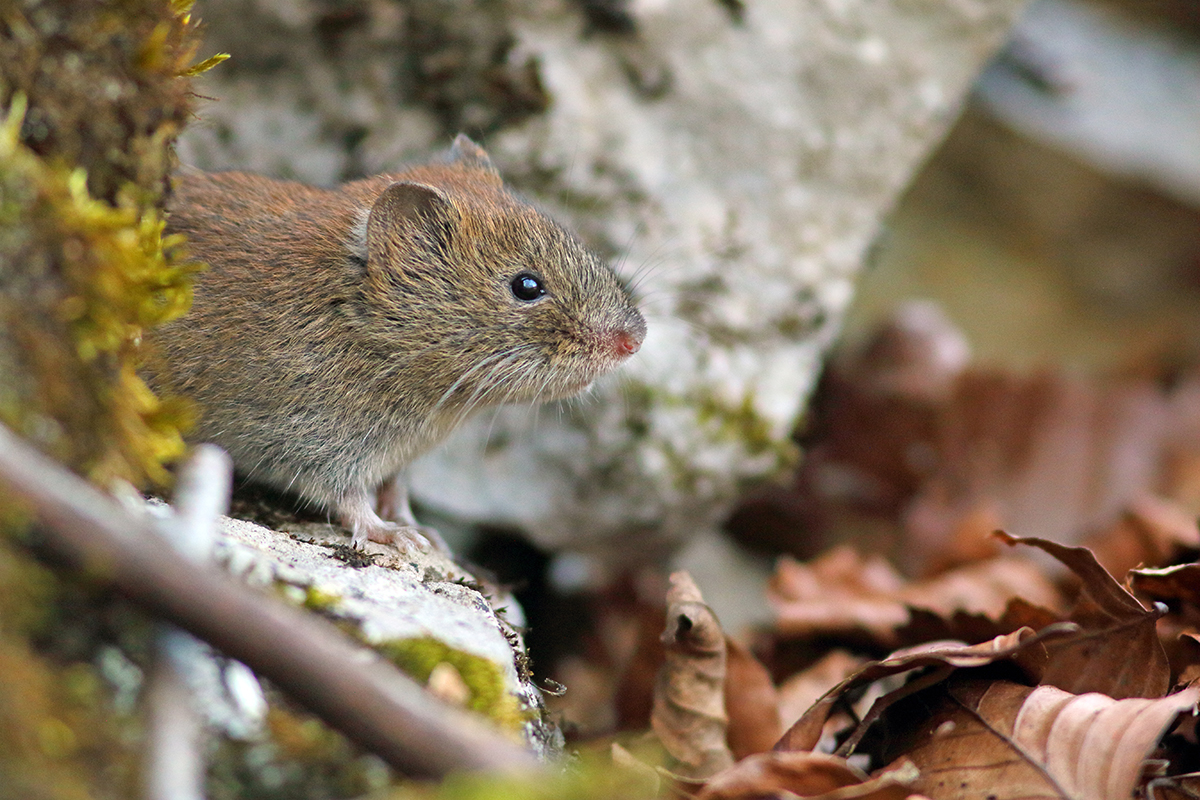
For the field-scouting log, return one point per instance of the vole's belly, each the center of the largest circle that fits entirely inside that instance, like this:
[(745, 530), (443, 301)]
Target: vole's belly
[(317, 455)]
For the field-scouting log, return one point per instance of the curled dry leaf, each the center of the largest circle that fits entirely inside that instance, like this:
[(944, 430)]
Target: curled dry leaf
[(845, 593), (805, 734), (1121, 655), (1175, 787), (1006, 741), (808, 775), (751, 703), (689, 701)]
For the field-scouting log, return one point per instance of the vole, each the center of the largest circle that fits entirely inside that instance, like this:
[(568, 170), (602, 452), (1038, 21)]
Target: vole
[(339, 333)]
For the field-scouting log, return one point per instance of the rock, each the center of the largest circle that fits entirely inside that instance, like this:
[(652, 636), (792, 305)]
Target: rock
[(397, 606), (734, 160)]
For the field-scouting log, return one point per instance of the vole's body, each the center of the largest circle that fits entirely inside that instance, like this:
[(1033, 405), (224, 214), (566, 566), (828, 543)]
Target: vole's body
[(338, 334)]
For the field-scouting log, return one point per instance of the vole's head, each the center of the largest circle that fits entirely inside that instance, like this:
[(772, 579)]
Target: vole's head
[(487, 298)]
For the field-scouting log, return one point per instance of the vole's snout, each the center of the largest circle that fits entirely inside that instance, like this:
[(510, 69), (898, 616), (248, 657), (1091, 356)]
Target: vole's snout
[(626, 343), (627, 339)]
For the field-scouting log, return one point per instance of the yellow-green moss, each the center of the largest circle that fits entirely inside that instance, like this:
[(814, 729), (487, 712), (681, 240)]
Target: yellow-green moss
[(60, 736), (93, 97), (117, 276), (485, 680), (591, 776), (90, 100)]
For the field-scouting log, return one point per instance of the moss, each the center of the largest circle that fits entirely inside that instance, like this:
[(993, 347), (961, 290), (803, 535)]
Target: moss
[(90, 100), (93, 99), (299, 759), (737, 422), (61, 735), (485, 680), (591, 776)]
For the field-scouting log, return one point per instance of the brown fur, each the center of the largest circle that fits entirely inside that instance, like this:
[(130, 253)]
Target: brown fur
[(327, 375)]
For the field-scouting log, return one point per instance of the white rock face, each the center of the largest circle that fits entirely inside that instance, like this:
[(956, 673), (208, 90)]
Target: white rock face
[(735, 159)]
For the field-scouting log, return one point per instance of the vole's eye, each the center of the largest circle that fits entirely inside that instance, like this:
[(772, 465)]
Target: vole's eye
[(527, 287)]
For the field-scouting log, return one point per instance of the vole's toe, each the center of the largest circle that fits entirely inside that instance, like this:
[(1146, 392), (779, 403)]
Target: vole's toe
[(405, 534), (408, 539)]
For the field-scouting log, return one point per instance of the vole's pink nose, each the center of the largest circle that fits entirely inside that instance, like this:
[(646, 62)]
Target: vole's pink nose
[(626, 343)]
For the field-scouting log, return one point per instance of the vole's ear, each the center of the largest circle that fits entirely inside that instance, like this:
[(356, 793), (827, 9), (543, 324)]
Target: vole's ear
[(406, 210), (466, 152)]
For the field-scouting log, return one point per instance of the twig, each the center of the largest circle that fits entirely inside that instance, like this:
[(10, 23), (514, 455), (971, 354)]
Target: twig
[(174, 767), (175, 762), (348, 686)]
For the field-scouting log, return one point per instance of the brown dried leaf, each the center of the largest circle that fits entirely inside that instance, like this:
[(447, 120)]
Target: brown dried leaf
[(810, 775), (911, 461), (751, 703), (689, 701), (807, 731), (1122, 656), (1181, 582), (1050, 454), (803, 689), (845, 593), (1151, 531), (1007, 741), (1175, 787), (1179, 587)]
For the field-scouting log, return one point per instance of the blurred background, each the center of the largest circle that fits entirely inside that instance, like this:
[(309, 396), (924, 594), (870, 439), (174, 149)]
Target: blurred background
[(1059, 223)]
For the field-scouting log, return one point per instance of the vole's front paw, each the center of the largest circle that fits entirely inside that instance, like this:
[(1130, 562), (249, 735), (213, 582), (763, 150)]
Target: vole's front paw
[(408, 539)]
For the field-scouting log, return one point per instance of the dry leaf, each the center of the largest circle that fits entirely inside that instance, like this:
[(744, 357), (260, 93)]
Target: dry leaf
[(751, 703), (1121, 656), (803, 689), (810, 775), (1179, 588), (1152, 531), (912, 462), (1175, 787), (689, 701), (1007, 741), (1052, 455), (807, 731), (1181, 583), (844, 593)]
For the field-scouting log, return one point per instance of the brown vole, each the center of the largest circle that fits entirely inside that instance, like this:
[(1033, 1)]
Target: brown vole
[(340, 333)]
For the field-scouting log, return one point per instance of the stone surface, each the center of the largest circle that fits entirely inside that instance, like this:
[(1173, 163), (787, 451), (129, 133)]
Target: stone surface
[(733, 159), (394, 598)]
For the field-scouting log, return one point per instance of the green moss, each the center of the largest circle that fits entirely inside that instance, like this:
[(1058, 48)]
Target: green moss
[(90, 100), (93, 99), (738, 422), (485, 680), (60, 734), (299, 759), (119, 275), (591, 776)]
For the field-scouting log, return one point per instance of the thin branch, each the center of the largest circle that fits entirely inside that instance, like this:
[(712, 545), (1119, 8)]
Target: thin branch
[(174, 766), (351, 688)]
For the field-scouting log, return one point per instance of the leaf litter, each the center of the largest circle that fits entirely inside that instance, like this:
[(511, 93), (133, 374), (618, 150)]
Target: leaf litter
[(917, 650)]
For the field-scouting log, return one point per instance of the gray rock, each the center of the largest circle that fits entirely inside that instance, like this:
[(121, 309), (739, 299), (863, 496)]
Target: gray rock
[(392, 599), (734, 159)]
